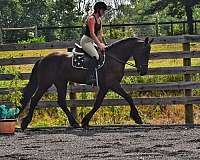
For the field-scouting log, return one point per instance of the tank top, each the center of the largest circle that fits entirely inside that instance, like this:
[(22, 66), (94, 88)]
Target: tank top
[(97, 28)]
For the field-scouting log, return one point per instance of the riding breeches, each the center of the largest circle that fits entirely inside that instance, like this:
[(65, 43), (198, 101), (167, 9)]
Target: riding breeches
[(88, 46)]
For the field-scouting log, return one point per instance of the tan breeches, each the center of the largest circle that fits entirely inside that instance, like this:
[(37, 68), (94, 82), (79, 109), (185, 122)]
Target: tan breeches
[(87, 45)]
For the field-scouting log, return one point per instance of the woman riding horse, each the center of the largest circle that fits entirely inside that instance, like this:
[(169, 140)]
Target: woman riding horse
[(56, 69), (93, 34)]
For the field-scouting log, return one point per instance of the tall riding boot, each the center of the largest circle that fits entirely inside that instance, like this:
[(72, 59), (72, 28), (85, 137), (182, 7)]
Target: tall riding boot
[(91, 71)]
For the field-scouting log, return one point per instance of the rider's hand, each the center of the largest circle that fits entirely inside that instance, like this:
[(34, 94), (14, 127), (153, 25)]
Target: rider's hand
[(102, 46)]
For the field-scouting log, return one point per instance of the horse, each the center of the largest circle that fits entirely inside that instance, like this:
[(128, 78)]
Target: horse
[(56, 68)]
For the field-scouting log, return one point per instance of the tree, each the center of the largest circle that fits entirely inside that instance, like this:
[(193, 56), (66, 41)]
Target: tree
[(10, 12), (176, 8), (25, 13)]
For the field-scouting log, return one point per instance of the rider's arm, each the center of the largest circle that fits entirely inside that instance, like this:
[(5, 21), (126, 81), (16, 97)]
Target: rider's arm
[(101, 37)]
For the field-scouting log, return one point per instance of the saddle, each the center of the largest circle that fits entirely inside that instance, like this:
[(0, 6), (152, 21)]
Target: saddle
[(81, 59)]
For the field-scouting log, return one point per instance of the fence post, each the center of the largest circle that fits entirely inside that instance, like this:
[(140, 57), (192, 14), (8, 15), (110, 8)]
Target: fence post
[(72, 96), (1, 35), (157, 27), (36, 32), (172, 28), (195, 27), (188, 92), (123, 31), (110, 30), (184, 30)]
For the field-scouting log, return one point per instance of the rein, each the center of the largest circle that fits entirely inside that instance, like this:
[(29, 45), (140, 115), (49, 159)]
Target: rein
[(120, 61)]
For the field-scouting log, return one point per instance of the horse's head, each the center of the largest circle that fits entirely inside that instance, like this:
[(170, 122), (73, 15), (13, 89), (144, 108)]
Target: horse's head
[(141, 56)]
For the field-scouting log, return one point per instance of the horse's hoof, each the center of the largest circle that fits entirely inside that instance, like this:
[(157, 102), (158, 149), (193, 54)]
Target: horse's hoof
[(75, 125), (136, 117), (138, 120), (24, 124), (85, 126)]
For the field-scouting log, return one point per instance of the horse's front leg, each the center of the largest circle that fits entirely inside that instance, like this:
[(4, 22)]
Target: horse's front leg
[(100, 96), (134, 112)]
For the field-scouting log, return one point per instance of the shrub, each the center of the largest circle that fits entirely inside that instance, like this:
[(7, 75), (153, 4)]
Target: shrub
[(33, 40)]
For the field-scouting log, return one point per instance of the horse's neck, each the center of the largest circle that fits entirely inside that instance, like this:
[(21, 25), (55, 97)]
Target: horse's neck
[(120, 52)]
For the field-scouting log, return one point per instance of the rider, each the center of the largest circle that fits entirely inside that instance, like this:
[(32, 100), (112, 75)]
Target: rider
[(93, 34)]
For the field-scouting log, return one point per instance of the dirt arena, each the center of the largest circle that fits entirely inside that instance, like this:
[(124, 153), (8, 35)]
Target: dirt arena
[(106, 142)]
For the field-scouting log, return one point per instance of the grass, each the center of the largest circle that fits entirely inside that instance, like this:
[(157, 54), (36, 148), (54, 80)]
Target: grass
[(167, 114)]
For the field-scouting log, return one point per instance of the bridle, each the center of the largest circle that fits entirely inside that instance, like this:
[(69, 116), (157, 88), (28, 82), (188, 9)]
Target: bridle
[(123, 62)]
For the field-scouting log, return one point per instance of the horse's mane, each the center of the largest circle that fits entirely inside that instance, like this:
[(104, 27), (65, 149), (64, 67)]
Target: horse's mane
[(119, 42)]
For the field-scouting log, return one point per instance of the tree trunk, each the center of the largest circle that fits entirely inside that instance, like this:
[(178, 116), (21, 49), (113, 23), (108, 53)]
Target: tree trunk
[(188, 9)]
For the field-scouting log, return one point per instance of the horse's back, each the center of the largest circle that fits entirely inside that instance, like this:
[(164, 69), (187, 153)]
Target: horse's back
[(54, 63), (55, 57), (57, 54)]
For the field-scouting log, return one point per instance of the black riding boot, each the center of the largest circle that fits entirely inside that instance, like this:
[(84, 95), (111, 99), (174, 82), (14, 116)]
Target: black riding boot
[(91, 71)]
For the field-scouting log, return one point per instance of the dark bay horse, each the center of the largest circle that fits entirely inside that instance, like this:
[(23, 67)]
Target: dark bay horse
[(56, 68)]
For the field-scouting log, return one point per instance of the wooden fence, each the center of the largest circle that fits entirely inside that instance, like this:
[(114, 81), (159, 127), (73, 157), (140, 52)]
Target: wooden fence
[(34, 28), (187, 70)]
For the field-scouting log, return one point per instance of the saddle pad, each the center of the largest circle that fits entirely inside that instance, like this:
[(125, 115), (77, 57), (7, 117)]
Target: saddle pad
[(82, 61)]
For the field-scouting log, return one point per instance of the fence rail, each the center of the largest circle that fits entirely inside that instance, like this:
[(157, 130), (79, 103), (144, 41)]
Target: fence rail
[(129, 72), (153, 56), (187, 70), (122, 102), (128, 87), (70, 44)]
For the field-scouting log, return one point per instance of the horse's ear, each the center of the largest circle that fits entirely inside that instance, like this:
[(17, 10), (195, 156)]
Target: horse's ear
[(151, 40), (146, 41)]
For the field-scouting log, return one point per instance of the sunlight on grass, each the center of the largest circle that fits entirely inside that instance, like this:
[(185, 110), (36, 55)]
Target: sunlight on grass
[(28, 53), (166, 47)]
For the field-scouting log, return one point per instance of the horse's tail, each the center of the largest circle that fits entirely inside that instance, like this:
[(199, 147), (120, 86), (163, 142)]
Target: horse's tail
[(30, 88)]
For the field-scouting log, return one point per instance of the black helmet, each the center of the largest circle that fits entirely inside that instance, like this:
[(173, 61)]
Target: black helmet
[(100, 5)]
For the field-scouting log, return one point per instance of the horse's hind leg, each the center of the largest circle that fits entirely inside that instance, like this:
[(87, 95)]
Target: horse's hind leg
[(34, 100), (62, 89), (28, 92), (134, 112)]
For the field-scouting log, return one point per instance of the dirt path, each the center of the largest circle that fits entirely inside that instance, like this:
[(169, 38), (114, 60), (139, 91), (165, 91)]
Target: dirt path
[(119, 142)]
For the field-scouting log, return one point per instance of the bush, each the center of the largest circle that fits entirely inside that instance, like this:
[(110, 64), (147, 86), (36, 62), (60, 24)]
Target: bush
[(33, 40)]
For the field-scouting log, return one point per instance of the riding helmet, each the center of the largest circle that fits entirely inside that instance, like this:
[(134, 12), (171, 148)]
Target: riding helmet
[(100, 5)]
